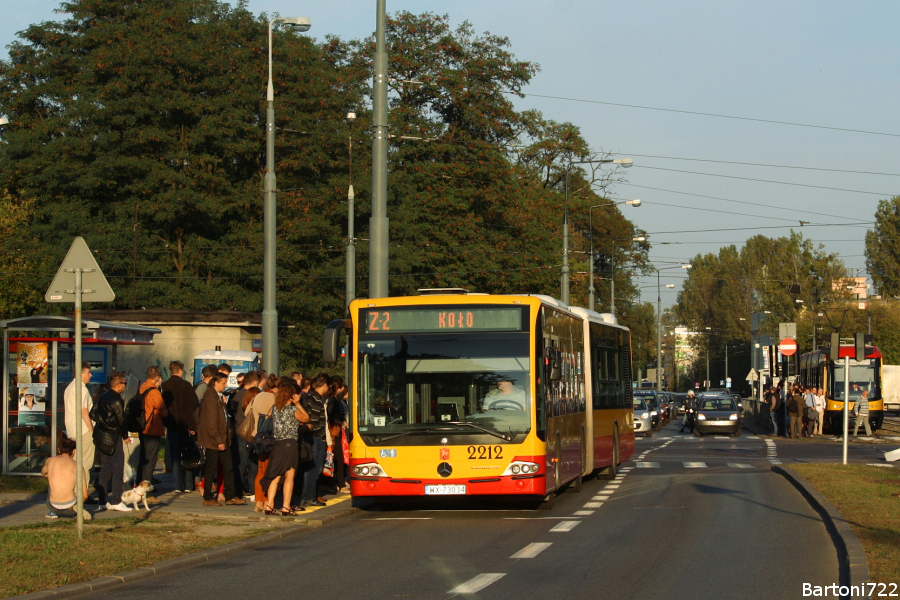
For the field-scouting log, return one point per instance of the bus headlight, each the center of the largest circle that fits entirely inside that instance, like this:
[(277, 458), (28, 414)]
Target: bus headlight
[(369, 470), (521, 467)]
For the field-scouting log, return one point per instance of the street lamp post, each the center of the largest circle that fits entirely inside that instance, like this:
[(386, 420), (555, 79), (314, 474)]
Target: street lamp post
[(591, 288), (351, 241), (271, 353), (564, 276), (659, 322)]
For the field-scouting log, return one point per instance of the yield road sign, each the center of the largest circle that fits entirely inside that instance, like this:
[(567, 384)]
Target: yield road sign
[(93, 284), (787, 347)]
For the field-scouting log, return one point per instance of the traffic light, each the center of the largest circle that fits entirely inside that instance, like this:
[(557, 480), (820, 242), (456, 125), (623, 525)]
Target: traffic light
[(835, 351)]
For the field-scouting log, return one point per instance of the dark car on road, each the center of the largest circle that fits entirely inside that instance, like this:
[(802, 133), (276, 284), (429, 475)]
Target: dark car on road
[(717, 413)]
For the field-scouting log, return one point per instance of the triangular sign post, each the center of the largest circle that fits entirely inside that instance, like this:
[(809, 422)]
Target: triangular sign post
[(93, 283), (79, 276)]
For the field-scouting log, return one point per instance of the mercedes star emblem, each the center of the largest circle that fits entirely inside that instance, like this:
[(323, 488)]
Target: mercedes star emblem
[(444, 469)]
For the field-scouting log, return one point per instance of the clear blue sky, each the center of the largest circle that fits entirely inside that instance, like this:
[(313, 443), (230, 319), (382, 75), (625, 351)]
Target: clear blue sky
[(819, 63)]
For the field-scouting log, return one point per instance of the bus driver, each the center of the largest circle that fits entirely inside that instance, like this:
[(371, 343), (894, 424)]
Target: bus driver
[(506, 396)]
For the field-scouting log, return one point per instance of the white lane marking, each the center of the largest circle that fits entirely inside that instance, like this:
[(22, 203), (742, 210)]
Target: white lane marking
[(583, 513), (593, 504), (647, 465), (477, 583), (776, 462), (611, 486), (751, 437), (600, 497), (531, 550), (565, 526), (722, 437), (695, 465), (740, 466), (400, 519)]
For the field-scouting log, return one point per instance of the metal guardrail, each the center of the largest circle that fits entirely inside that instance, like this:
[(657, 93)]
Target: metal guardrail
[(758, 412)]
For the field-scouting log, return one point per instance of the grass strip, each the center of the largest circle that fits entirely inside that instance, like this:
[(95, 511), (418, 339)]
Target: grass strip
[(869, 499), (9, 483), (48, 555)]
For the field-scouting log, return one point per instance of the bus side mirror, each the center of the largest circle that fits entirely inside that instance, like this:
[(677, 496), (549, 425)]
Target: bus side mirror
[(331, 346)]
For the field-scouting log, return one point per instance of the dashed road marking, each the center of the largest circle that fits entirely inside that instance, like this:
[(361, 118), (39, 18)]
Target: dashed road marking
[(564, 526), (477, 583), (593, 504), (647, 465), (531, 550), (694, 465), (740, 466), (583, 513)]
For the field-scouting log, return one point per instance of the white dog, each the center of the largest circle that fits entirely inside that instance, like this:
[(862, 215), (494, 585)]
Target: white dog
[(138, 494)]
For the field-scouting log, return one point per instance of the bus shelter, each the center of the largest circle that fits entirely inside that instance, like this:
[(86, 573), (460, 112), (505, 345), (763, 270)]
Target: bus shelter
[(38, 367)]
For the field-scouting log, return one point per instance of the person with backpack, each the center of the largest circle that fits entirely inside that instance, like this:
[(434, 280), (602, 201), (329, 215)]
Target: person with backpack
[(151, 435)]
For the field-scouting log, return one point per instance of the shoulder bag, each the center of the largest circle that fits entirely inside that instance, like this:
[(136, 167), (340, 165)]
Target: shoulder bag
[(245, 429), (193, 455), (264, 441)]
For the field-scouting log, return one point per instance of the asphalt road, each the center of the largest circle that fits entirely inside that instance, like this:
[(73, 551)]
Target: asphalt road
[(690, 517)]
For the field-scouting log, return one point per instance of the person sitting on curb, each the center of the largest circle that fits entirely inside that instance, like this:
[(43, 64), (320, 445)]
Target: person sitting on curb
[(61, 473)]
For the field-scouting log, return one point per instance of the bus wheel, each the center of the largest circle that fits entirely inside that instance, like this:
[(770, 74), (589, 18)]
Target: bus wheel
[(613, 469), (548, 502)]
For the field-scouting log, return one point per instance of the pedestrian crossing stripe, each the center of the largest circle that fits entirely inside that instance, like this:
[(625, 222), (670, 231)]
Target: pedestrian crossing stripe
[(695, 465), (647, 465), (740, 466)]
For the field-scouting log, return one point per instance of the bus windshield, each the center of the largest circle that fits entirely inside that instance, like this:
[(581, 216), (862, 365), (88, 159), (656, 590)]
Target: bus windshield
[(444, 383), (863, 376)]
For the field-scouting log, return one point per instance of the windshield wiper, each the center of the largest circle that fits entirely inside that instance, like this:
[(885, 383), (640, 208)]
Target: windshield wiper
[(482, 429), (444, 429)]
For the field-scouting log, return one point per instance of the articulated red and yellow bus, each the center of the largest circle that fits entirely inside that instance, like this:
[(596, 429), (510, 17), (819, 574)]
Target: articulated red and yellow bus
[(818, 369), (459, 394)]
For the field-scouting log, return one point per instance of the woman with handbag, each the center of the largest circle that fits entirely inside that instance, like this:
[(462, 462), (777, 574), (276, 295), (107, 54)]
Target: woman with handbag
[(287, 415), (109, 435), (261, 406)]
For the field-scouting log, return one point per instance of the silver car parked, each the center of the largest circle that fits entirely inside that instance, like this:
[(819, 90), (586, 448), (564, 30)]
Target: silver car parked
[(642, 419)]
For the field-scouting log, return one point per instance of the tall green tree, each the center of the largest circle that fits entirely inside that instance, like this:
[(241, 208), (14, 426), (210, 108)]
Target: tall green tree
[(883, 248)]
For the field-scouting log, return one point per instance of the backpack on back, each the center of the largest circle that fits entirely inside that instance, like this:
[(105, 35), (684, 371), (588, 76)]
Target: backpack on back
[(135, 414)]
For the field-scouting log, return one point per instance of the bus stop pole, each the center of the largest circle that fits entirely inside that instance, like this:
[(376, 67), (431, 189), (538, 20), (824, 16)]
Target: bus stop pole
[(846, 404), (76, 380)]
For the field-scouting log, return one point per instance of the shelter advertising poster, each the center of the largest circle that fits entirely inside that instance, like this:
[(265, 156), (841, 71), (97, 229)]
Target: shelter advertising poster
[(31, 363), (32, 404)]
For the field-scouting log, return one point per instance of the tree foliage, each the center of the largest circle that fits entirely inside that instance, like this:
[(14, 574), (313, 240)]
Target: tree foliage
[(883, 248), (141, 127)]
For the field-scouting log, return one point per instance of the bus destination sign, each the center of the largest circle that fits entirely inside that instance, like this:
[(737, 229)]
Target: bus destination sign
[(445, 318)]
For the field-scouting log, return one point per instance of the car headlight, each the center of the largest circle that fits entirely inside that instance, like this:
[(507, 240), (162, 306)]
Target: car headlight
[(733, 417), (644, 415), (701, 417)]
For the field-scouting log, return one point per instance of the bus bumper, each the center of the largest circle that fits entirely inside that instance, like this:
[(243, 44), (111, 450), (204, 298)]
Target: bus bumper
[(511, 485)]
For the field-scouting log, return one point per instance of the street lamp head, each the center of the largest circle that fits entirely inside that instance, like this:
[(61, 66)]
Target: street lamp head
[(670, 285), (4, 121), (636, 202), (640, 238), (686, 266), (624, 162), (350, 118), (298, 23)]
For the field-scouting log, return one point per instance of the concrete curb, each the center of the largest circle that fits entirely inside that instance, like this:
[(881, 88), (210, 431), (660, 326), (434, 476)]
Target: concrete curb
[(854, 569), (188, 560)]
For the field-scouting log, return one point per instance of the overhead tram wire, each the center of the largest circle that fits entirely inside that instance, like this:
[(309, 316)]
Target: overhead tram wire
[(772, 206), (721, 212), (749, 164), (806, 185), (870, 223), (705, 114)]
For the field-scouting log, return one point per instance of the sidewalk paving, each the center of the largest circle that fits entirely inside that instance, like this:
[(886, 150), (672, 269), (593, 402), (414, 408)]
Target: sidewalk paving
[(25, 508)]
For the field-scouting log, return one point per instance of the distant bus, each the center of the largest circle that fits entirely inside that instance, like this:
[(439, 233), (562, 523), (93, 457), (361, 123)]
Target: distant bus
[(488, 395), (818, 369)]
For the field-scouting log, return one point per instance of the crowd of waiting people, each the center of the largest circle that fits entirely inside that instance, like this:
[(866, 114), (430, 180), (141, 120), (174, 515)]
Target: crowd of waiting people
[(799, 411), (200, 426)]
